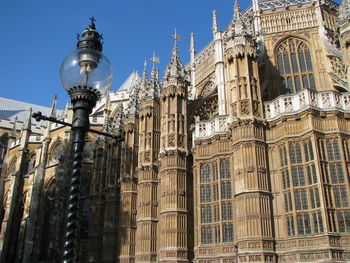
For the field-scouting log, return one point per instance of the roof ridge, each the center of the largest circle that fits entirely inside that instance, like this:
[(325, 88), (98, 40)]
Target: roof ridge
[(27, 103)]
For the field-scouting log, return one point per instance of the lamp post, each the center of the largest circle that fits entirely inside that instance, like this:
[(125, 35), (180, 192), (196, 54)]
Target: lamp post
[(85, 74)]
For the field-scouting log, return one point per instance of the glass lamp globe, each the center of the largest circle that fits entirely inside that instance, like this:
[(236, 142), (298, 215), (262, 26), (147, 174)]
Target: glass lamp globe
[(86, 67)]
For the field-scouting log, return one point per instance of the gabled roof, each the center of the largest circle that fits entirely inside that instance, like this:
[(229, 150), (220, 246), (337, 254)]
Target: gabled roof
[(130, 81), (10, 109)]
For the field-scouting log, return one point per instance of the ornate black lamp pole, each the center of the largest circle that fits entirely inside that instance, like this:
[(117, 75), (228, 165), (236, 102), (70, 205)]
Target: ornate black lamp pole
[(85, 74)]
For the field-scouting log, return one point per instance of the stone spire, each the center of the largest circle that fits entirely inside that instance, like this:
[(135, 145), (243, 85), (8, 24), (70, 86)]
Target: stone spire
[(106, 113), (54, 107), (236, 11), (240, 26), (119, 119), (154, 86), (193, 66), (192, 47), (108, 100), (65, 110), (175, 69), (144, 74), (144, 83), (133, 106), (215, 22)]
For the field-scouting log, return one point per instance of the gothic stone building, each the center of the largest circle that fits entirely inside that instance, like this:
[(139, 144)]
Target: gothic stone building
[(242, 155)]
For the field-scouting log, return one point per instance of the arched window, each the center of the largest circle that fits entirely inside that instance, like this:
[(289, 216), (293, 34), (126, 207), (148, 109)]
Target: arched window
[(11, 170), (56, 153), (31, 163), (295, 66)]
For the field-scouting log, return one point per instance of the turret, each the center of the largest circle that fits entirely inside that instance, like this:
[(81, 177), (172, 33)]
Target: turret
[(149, 143), (173, 164), (241, 55)]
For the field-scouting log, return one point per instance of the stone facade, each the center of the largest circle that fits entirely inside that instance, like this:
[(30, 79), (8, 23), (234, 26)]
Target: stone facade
[(242, 155)]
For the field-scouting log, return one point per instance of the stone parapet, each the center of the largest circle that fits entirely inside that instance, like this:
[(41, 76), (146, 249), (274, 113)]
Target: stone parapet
[(307, 99)]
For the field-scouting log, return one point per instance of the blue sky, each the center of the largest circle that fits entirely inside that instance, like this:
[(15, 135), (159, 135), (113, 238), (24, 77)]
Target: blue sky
[(37, 35)]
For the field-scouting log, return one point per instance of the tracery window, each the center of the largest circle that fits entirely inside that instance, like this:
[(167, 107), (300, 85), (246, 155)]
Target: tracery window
[(304, 225), (31, 163), (55, 153), (205, 173), (343, 218), (295, 66), (336, 189), (228, 233), (216, 204), (300, 188), (225, 169), (11, 170)]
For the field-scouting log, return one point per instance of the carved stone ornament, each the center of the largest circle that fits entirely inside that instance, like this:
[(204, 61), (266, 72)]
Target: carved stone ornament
[(209, 86), (208, 109)]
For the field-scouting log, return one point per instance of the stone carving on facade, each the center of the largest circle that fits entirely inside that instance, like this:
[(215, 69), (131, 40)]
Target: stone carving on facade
[(207, 89), (338, 71), (208, 109), (148, 217), (134, 101)]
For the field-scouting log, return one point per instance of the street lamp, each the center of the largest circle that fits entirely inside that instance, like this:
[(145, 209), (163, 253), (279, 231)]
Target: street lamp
[(85, 74)]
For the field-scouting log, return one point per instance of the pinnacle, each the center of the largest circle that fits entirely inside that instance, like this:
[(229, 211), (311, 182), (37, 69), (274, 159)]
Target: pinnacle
[(175, 68)]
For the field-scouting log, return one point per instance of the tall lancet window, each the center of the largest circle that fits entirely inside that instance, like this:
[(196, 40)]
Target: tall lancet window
[(295, 66)]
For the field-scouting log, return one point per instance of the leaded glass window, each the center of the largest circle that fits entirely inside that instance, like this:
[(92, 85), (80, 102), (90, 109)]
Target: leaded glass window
[(205, 173), (308, 151), (340, 196), (227, 232), (300, 198), (206, 214), (288, 201), (207, 237), (225, 169), (217, 234), (292, 154), (336, 172), (295, 66), (215, 171), (304, 226), (226, 192), (226, 211), (283, 156), (298, 176), (205, 193), (343, 218), (215, 192), (311, 174), (315, 198), (285, 179), (317, 222), (290, 226)]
